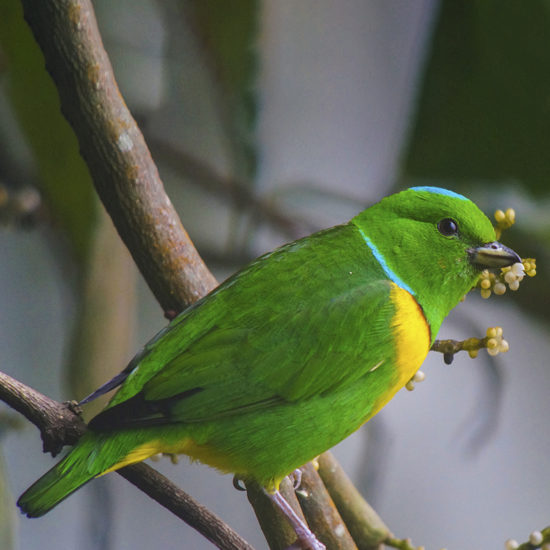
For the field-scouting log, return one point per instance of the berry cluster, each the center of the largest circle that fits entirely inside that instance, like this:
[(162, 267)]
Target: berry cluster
[(509, 276), (504, 220), (537, 539)]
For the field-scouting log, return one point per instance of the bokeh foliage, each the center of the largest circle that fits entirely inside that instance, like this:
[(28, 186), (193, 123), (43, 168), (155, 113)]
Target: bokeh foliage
[(484, 103)]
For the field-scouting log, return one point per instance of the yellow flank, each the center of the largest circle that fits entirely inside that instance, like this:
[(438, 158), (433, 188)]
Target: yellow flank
[(203, 453), (411, 333), (146, 450), (208, 454)]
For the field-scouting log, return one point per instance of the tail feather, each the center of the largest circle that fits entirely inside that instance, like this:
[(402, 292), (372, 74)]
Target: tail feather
[(93, 455), (51, 489), (58, 483)]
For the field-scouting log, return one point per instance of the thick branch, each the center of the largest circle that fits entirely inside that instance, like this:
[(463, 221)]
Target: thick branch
[(59, 424), (112, 145)]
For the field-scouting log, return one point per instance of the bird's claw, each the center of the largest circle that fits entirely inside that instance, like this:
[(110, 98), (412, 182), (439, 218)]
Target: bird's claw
[(296, 478), (238, 484)]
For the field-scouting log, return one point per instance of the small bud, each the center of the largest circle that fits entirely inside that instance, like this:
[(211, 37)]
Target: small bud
[(473, 353), (499, 289), (419, 376), (499, 215), (410, 385), (535, 538), (485, 293), (510, 277), (518, 268), (511, 544)]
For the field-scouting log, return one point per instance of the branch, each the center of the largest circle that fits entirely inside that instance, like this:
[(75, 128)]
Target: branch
[(321, 513), (60, 425), (237, 191), (493, 342), (112, 145), (364, 524)]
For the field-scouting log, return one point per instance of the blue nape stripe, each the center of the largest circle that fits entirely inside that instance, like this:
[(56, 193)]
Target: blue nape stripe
[(387, 270), (439, 191)]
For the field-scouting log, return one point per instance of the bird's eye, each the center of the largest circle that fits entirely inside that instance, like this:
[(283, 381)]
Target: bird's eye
[(447, 227)]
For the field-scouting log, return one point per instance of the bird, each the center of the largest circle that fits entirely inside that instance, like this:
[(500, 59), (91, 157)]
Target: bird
[(291, 354)]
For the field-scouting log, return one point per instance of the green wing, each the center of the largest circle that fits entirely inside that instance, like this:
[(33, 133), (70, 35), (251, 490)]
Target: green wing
[(298, 322)]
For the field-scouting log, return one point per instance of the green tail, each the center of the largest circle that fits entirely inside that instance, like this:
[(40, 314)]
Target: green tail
[(92, 456)]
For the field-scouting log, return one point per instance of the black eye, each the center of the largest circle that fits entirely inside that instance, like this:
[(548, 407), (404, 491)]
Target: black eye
[(447, 227)]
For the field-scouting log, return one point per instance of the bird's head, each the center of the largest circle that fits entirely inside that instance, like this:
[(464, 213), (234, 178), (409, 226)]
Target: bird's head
[(437, 242)]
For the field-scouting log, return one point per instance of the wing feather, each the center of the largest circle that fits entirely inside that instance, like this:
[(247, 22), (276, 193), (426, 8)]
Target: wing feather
[(264, 339)]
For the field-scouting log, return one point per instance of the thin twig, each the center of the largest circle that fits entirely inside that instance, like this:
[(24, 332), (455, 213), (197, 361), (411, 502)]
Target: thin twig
[(540, 543), (241, 195)]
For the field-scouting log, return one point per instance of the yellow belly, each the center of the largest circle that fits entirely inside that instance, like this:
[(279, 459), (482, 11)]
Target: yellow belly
[(411, 333)]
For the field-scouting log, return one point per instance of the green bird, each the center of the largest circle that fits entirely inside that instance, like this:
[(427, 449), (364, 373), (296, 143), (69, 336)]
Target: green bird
[(294, 352)]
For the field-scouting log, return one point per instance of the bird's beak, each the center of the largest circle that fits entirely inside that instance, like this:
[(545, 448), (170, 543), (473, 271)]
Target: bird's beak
[(493, 255)]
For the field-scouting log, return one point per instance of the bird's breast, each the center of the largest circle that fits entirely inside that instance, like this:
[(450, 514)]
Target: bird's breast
[(411, 333)]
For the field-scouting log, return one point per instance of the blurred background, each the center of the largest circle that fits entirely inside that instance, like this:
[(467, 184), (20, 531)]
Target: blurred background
[(268, 120)]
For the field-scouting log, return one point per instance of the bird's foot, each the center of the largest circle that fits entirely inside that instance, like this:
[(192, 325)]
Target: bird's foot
[(306, 539), (296, 478)]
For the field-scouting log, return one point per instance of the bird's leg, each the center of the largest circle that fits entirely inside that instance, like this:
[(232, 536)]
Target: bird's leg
[(306, 538)]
